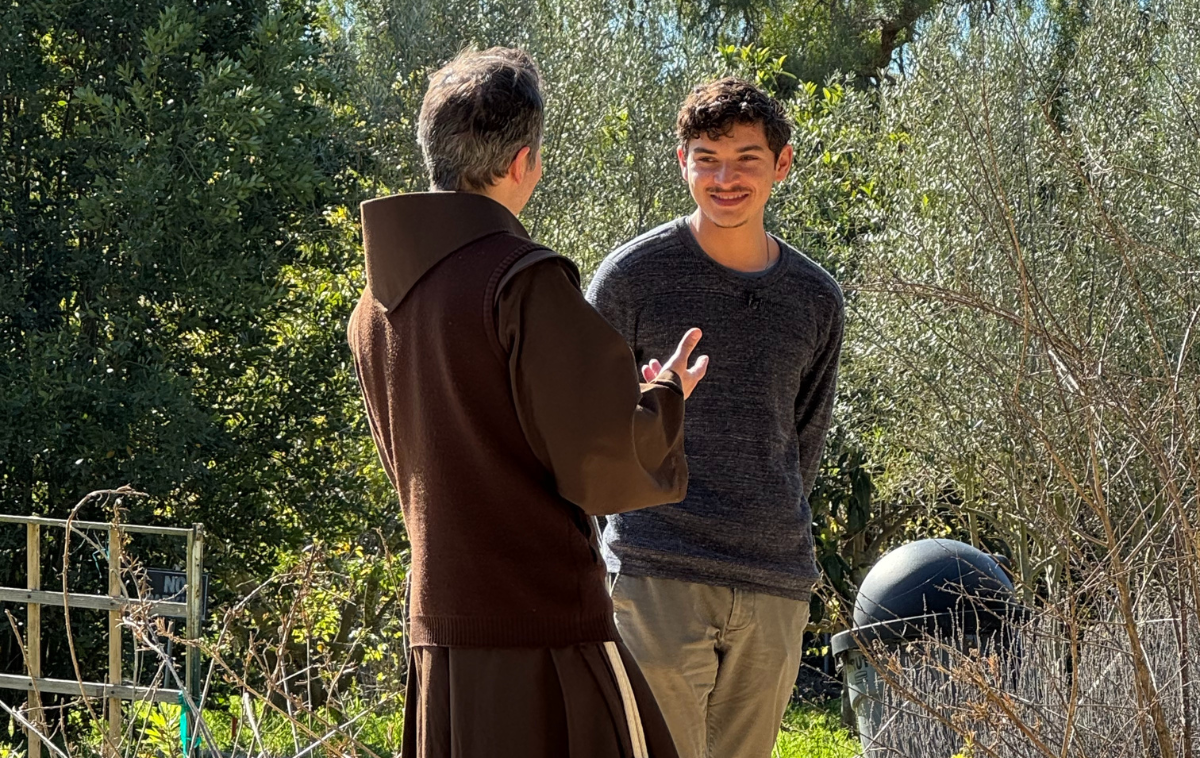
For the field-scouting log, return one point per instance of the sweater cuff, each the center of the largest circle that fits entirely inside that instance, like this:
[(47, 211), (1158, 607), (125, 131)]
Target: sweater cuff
[(669, 379)]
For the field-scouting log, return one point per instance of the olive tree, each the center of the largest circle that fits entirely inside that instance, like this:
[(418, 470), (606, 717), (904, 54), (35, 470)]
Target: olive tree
[(1031, 298)]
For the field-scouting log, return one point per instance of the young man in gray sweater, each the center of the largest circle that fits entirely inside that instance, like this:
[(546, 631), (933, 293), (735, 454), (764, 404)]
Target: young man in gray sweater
[(711, 595)]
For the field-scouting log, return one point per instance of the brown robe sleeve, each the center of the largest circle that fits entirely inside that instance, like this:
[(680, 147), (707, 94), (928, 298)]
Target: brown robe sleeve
[(612, 444)]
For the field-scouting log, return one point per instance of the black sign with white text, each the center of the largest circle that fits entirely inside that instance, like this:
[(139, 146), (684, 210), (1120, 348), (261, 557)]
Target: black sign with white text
[(165, 584)]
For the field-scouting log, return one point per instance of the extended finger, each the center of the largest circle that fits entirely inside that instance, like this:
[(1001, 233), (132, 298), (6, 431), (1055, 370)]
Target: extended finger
[(686, 345), (648, 373)]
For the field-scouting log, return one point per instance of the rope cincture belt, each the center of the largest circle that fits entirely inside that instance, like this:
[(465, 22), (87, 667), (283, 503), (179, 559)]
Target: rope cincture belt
[(632, 717)]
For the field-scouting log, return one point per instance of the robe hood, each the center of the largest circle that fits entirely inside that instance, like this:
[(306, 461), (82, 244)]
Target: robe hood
[(404, 236)]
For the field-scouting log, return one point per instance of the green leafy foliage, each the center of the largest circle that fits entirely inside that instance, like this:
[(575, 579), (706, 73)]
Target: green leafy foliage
[(864, 39), (177, 262)]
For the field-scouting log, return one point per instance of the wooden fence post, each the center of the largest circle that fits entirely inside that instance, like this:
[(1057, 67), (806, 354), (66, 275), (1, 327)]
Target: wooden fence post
[(33, 634), (114, 639), (195, 601)]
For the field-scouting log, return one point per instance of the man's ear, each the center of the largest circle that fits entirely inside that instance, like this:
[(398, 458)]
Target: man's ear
[(520, 165), (681, 154), (783, 163)]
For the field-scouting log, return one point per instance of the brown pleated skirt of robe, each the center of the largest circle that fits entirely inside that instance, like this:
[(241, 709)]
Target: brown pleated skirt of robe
[(525, 703)]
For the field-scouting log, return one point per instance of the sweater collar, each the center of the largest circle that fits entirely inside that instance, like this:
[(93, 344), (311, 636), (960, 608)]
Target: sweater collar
[(404, 236)]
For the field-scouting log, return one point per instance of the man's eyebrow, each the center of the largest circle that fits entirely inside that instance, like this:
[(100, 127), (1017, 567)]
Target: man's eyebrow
[(743, 149)]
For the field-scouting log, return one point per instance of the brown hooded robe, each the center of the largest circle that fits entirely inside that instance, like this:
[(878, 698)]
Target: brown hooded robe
[(507, 413)]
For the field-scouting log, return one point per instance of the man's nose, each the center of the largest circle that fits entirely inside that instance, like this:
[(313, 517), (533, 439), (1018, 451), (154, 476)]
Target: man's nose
[(726, 172)]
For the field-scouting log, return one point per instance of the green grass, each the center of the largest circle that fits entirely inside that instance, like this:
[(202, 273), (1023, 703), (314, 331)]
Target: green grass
[(156, 727), (811, 731)]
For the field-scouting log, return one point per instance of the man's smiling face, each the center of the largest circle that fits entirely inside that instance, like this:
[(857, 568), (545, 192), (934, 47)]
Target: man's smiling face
[(730, 177)]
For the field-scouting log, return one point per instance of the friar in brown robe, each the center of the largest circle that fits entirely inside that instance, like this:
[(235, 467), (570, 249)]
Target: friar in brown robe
[(507, 414)]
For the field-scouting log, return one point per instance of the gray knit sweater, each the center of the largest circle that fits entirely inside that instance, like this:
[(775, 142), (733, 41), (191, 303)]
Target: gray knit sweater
[(755, 426)]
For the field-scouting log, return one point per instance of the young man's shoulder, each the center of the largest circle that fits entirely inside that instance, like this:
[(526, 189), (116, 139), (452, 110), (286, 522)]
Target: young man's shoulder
[(638, 264), (646, 247), (813, 276)]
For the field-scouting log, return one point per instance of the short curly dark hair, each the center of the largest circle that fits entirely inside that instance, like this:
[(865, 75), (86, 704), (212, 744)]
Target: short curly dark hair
[(714, 107)]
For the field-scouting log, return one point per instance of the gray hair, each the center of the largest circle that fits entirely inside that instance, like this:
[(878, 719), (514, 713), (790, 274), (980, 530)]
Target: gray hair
[(480, 110)]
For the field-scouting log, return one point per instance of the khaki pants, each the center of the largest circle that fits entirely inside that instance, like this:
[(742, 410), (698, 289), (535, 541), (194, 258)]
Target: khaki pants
[(721, 662)]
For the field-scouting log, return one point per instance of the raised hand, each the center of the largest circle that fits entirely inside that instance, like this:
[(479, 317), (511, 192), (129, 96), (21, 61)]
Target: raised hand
[(678, 363)]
